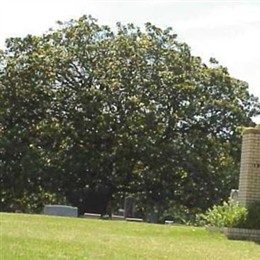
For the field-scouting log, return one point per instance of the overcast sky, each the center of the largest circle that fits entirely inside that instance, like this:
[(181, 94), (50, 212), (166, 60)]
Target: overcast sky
[(226, 30)]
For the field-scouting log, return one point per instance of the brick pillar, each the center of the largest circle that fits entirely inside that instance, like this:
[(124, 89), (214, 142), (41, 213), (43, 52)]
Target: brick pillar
[(249, 179)]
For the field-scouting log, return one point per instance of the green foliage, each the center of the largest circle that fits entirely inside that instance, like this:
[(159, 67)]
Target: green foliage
[(92, 114), (229, 214), (33, 202), (253, 216), (180, 214)]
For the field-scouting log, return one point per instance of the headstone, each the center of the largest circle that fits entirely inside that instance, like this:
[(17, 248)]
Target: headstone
[(92, 215), (121, 212), (234, 195), (117, 217), (134, 219), (60, 210), (129, 207)]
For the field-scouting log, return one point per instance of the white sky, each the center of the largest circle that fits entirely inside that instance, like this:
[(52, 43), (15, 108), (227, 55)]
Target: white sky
[(226, 30)]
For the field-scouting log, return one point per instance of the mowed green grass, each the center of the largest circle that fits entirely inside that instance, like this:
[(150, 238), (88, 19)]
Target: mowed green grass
[(45, 237)]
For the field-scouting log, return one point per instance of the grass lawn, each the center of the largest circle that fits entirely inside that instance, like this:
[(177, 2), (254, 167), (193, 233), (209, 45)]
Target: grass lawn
[(45, 237)]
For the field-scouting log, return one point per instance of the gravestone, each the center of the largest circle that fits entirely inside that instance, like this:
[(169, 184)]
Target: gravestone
[(60, 210), (234, 195), (129, 207), (121, 212)]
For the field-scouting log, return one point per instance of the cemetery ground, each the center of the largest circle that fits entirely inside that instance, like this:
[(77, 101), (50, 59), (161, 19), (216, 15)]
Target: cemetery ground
[(48, 237)]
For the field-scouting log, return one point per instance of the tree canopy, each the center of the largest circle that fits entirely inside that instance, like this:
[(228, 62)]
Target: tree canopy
[(89, 114)]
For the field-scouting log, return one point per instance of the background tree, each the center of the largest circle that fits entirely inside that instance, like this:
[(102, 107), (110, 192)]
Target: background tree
[(91, 115)]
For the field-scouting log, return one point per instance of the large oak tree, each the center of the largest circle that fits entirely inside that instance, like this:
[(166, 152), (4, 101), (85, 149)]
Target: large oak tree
[(93, 114)]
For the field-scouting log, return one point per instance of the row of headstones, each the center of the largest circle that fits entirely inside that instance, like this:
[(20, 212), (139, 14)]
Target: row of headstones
[(129, 210), (127, 213), (68, 211)]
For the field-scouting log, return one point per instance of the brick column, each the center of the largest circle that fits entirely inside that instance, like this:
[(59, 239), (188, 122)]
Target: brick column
[(249, 179)]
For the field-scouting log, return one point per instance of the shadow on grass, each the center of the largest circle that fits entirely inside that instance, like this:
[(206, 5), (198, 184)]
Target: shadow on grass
[(257, 242)]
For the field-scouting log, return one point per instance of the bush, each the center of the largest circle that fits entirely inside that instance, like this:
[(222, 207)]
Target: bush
[(34, 202), (229, 214), (179, 214), (253, 217)]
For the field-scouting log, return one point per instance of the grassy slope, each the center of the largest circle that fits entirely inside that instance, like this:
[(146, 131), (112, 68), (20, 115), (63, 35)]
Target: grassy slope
[(44, 237)]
